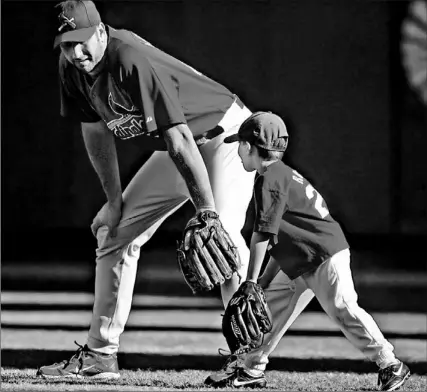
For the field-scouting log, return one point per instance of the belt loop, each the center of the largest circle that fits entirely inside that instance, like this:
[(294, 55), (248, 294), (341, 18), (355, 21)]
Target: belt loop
[(239, 102)]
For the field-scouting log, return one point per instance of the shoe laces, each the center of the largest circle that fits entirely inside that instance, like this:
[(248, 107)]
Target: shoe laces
[(78, 355), (231, 356)]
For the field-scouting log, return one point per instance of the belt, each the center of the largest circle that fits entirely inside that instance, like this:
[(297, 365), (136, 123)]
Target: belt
[(209, 135), (214, 132)]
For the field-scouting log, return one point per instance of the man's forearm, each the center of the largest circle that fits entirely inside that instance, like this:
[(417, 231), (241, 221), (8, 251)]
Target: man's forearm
[(259, 244), (186, 156), (101, 148)]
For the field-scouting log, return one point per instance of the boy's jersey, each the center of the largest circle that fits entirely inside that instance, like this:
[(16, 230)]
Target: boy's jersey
[(290, 208), (140, 90)]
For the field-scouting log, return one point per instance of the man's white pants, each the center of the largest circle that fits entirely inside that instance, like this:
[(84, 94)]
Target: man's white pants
[(157, 191), (332, 284)]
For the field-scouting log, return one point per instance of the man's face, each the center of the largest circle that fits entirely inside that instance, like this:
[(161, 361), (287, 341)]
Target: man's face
[(85, 55)]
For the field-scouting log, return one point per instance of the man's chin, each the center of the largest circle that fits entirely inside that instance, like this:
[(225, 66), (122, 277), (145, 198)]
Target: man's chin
[(85, 67)]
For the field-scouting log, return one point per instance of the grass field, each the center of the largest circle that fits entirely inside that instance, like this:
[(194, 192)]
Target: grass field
[(171, 343), (167, 380)]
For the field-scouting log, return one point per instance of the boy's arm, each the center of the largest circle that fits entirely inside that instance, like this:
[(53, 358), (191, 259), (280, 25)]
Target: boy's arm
[(271, 270), (259, 244)]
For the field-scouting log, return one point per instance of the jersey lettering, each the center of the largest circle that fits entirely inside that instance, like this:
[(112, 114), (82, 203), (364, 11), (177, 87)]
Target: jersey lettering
[(297, 177), (312, 193), (128, 122), (318, 202)]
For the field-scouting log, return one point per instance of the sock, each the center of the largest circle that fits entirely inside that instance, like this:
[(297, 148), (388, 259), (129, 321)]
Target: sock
[(386, 362), (102, 354), (253, 372)]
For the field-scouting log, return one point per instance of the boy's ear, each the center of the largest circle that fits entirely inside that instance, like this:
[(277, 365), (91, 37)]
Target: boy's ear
[(251, 148), (247, 146)]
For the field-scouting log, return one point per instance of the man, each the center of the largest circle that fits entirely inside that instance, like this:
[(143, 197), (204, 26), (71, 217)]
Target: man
[(119, 85)]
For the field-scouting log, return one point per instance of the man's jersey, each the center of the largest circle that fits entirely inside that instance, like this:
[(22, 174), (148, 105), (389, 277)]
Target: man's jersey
[(290, 208), (141, 90)]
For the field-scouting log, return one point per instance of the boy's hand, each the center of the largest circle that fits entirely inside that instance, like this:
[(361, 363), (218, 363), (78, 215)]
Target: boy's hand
[(247, 317)]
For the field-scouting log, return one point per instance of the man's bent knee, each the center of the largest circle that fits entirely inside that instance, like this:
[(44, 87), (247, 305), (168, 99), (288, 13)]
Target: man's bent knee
[(121, 242)]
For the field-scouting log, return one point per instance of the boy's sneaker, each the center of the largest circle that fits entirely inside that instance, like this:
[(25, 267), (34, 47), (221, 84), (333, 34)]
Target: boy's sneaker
[(393, 377), (84, 363)]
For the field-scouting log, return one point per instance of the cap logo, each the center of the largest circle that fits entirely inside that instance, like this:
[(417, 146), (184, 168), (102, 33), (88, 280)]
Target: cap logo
[(66, 21)]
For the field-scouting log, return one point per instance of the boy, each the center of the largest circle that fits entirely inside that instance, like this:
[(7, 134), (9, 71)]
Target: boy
[(309, 256)]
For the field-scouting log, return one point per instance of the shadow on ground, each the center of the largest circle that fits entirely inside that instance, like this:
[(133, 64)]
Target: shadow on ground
[(196, 329), (22, 359)]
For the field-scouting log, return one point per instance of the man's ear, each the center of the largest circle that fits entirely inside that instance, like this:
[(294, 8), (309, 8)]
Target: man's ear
[(101, 29)]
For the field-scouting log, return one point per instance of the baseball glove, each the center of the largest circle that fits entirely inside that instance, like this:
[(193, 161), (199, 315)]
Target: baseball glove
[(206, 255), (247, 318)]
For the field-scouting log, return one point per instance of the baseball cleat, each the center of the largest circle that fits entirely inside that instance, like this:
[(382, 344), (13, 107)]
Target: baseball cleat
[(393, 377), (228, 369), (245, 380), (84, 363), (241, 379), (225, 372)]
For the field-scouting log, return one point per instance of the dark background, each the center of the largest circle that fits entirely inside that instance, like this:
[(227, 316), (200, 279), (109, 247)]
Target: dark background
[(332, 69)]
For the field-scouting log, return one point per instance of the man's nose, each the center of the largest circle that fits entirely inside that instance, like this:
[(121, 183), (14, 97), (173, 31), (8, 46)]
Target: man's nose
[(77, 51)]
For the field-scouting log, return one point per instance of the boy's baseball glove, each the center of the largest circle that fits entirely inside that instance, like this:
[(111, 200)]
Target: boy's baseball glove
[(206, 254), (247, 317)]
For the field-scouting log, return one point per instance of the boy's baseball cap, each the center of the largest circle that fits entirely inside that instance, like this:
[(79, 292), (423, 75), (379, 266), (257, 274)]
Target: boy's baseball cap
[(77, 21), (262, 129)]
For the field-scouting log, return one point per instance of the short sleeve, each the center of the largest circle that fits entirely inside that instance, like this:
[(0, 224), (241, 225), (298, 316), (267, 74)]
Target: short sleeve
[(270, 207), (73, 103), (152, 90), (75, 108)]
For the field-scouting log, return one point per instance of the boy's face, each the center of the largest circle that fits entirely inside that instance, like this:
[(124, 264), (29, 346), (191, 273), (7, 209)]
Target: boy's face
[(246, 156)]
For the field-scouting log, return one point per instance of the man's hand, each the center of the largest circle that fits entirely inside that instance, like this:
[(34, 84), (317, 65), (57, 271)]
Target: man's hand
[(109, 215), (206, 254)]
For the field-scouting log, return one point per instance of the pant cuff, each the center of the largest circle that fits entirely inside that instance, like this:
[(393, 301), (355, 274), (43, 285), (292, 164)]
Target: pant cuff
[(385, 359), (98, 347)]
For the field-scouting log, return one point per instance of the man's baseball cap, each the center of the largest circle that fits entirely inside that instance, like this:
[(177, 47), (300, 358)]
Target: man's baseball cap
[(262, 129), (77, 21)]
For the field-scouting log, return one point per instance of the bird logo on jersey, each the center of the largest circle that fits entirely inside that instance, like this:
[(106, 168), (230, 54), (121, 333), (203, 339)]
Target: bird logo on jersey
[(128, 123)]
